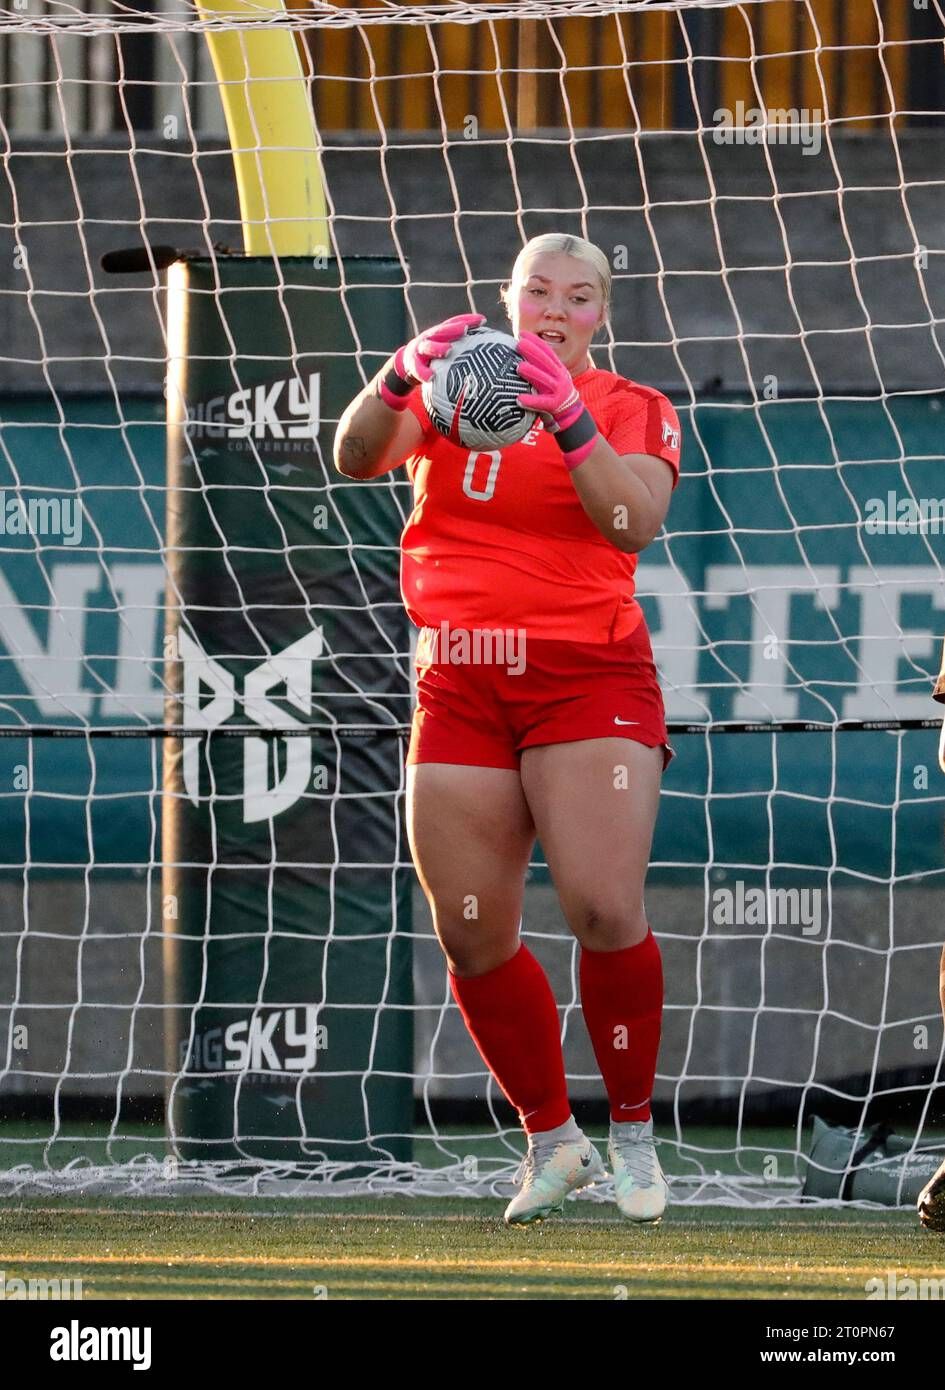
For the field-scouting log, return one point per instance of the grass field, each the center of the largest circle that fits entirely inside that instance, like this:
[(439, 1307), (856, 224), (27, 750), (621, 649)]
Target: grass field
[(199, 1247), (221, 1247)]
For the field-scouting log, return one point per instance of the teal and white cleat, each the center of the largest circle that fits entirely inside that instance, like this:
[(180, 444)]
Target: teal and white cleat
[(547, 1174), (639, 1185)]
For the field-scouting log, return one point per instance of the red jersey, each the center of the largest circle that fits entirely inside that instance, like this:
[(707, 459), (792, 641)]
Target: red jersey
[(498, 538)]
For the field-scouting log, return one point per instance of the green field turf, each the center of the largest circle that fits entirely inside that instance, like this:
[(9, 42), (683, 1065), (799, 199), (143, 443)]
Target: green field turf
[(449, 1248), (402, 1248)]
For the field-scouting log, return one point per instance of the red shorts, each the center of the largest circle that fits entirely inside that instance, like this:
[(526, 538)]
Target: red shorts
[(473, 708)]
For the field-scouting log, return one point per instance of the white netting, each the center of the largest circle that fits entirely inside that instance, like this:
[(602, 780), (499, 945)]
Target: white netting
[(767, 180)]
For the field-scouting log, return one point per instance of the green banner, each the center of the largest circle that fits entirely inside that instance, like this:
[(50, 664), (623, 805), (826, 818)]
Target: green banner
[(778, 593)]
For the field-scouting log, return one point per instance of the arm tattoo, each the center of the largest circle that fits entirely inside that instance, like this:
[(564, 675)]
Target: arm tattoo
[(354, 446)]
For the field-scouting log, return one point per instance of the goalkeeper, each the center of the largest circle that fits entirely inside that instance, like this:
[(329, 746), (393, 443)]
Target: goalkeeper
[(539, 541), (932, 1196)]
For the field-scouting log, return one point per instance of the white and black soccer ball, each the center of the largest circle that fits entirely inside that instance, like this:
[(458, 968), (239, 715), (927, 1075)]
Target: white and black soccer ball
[(471, 396)]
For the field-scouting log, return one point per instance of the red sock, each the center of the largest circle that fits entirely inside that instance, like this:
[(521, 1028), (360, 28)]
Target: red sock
[(511, 1016), (622, 996)]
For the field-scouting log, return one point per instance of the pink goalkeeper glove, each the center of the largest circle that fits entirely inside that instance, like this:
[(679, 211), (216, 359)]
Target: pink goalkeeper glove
[(556, 399), (412, 363)]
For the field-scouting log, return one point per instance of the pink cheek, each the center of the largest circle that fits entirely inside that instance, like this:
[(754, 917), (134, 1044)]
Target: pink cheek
[(584, 316)]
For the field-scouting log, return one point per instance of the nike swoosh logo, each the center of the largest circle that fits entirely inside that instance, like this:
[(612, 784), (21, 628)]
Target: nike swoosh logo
[(625, 721), (454, 423)]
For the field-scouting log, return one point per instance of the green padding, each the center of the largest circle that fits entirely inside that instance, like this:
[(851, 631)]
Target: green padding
[(291, 996)]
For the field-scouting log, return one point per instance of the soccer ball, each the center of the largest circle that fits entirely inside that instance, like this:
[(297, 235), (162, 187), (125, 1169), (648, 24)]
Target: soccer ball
[(470, 397)]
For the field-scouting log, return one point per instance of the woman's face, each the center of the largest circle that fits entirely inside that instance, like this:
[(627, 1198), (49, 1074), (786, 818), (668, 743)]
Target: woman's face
[(560, 299)]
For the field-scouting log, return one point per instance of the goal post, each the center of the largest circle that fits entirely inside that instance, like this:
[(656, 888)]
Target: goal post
[(271, 127), (287, 960), (286, 914)]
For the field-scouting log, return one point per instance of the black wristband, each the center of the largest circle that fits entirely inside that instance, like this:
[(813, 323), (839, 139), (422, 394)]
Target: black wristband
[(581, 432), (396, 384)]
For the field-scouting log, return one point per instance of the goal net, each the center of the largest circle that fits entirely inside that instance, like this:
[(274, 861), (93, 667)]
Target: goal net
[(767, 181)]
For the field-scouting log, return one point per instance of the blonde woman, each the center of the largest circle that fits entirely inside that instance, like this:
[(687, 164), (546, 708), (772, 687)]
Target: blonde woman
[(539, 541)]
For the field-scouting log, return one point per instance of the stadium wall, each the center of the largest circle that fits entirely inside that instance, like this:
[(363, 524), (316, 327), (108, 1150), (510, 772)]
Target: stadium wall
[(704, 208)]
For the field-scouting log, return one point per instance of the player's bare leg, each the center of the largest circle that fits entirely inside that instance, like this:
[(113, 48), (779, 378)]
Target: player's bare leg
[(931, 1202), (594, 804), (472, 835)]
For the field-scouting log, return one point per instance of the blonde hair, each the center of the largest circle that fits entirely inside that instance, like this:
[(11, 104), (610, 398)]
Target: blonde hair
[(563, 244)]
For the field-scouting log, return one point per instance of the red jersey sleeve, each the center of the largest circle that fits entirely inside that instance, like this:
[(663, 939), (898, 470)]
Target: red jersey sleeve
[(416, 406), (647, 426)]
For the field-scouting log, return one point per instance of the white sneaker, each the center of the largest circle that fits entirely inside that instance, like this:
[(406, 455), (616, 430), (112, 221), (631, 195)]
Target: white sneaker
[(639, 1185), (548, 1174)]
